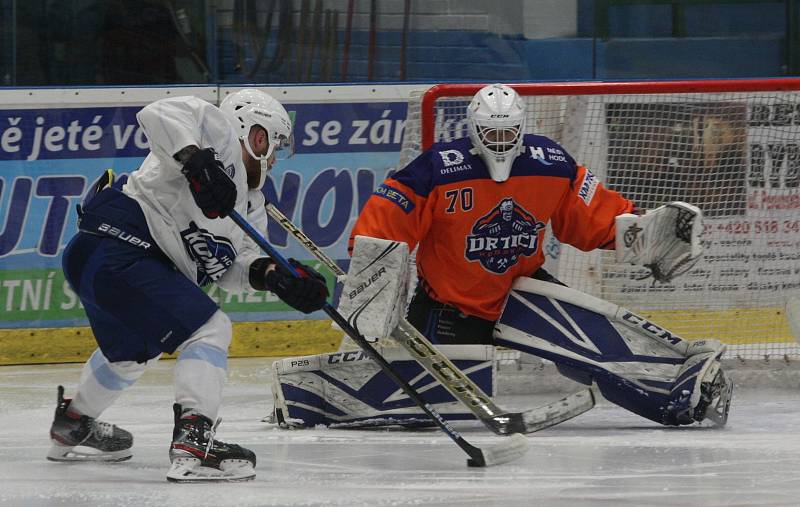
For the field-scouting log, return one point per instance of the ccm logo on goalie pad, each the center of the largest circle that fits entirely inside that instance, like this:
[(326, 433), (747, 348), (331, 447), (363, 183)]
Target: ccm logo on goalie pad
[(650, 328), (347, 357)]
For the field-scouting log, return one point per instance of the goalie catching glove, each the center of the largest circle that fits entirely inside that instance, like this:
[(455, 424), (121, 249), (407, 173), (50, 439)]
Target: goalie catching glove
[(666, 240), (306, 291)]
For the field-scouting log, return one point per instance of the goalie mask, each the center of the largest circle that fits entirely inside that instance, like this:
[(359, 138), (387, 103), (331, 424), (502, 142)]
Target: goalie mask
[(496, 122), (249, 107)]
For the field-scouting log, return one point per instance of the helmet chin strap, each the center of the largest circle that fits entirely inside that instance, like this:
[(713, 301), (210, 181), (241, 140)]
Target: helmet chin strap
[(264, 170), (262, 160)]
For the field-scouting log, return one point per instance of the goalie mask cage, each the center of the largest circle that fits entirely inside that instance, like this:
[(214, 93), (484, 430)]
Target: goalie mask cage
[(730, 147)]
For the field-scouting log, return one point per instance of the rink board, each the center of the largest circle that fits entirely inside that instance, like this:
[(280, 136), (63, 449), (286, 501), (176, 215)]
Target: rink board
[(305, 337), (250, 339)]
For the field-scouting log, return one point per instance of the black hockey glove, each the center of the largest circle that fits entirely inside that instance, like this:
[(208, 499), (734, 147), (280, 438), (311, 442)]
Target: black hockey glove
[(306, 293), (213, 191)]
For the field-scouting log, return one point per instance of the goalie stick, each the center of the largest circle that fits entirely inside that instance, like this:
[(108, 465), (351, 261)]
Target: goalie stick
[(456, 382), (509, 449)]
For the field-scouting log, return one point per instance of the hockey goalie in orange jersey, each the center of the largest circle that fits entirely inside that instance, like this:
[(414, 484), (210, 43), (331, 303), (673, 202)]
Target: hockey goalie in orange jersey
[(479, 228), (477, 209)]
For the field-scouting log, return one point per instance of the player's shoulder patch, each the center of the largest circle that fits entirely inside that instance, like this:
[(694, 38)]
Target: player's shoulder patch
[(547, 157), (588, 187), (395, 196), (453, 161)]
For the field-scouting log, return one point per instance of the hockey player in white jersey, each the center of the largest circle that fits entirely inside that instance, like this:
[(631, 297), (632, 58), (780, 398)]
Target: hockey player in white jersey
[(145, 247)]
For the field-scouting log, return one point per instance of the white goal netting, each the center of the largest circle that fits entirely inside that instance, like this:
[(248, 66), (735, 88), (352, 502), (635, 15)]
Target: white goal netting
[(733, 153)]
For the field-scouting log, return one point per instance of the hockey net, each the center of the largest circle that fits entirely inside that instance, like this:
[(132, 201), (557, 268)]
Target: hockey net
[(730, 147)]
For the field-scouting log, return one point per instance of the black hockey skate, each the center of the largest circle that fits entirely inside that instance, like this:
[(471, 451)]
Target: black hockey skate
[(84, 438), (197, 457)]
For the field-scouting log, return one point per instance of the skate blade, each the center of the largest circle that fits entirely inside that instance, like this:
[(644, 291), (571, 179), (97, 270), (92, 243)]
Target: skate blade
[(720, 406), (60, 452), (190, 470)]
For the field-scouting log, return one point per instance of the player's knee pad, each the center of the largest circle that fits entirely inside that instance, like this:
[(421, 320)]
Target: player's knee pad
[(216, 332), (347, 389), (635, 363)]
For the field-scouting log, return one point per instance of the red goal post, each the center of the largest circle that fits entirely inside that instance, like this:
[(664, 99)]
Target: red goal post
[(731, 147)]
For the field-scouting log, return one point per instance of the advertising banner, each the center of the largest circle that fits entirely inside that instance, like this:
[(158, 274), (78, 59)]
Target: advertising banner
[(740, 162), (51, 153)]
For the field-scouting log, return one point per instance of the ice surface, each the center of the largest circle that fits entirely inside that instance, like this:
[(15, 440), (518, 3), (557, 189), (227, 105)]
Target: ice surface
[(605, 457)]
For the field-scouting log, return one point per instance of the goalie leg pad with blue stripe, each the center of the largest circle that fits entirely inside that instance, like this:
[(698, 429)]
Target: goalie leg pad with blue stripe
[(635, 363), (347, 389)]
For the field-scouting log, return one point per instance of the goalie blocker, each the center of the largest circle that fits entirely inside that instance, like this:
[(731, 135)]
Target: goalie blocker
[(635, 363)]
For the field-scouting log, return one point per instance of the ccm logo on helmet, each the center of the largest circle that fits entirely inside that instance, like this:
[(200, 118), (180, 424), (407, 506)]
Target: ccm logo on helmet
[(498, 116)]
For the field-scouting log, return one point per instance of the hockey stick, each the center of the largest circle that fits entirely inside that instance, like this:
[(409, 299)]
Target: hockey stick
[(452, 378), (507, 450)]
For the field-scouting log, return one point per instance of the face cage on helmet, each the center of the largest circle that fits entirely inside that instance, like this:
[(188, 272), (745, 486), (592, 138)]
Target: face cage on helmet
[(503, 139)]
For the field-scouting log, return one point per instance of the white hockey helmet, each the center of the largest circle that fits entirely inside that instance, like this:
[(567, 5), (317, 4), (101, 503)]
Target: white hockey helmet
[(249, 107), (496, 123)]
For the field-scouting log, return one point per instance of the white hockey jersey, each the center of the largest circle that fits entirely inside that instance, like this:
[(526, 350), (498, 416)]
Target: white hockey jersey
[(205, 250)]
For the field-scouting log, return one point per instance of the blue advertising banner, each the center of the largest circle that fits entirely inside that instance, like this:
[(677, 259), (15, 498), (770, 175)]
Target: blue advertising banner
[(50, 156)]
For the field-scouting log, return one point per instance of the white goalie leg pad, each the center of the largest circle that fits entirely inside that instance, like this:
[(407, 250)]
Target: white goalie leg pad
[(665, 240), (637, 364), (347, 389), (374, 294)]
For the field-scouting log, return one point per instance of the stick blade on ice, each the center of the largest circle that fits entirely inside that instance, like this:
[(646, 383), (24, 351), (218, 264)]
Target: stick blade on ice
[(509, 449)]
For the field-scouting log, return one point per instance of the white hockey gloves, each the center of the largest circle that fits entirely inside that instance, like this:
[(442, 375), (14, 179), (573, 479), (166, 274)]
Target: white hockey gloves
[(666, 240)]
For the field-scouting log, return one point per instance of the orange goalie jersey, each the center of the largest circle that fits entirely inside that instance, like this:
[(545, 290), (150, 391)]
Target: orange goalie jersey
[(476, 235)]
